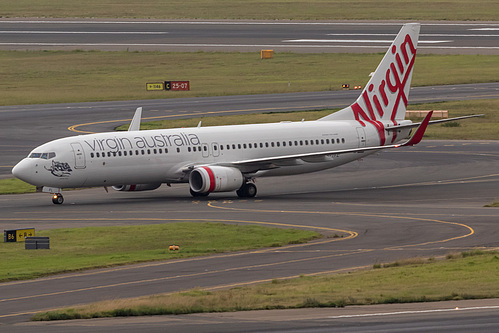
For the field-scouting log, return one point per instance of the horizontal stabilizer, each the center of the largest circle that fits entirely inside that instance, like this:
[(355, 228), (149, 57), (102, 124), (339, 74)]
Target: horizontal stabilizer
[(412, 125)]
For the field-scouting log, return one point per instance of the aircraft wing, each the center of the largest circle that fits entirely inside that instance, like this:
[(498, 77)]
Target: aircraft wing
[(275, 161)]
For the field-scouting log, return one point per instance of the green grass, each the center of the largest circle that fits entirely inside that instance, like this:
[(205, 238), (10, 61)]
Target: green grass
[(257, 9), (84, 248), (470, 275), (15, 186), (40, 77)]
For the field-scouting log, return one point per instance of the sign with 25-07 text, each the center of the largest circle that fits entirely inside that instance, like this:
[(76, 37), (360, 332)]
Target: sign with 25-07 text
[(177, 85)]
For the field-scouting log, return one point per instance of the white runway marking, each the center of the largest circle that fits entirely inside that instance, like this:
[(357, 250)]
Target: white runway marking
[(87, 32), (360, 41), (414, 312)]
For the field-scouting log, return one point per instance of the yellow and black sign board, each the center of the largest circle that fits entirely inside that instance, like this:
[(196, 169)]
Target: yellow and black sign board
[(17, 235), (155, 86)]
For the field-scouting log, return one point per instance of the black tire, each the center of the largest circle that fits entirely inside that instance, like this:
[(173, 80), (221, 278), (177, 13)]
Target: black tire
[(57, 199), (247, 191), (250, 190)]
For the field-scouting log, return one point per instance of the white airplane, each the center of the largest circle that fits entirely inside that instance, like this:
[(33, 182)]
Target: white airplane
[(229, 158)]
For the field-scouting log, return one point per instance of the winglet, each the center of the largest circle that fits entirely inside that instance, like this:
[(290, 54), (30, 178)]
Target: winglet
[(416, 138), (135, 124)]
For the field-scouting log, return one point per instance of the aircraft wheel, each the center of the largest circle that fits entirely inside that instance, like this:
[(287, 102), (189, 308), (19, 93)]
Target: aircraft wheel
[(247, 191), (57, 199)]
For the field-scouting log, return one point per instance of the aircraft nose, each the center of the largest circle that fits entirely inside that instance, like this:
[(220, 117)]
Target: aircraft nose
[(22, 170)]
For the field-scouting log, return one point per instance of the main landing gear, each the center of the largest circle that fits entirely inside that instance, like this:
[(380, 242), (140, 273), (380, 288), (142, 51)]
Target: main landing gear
[(248, 190), (57, 198)]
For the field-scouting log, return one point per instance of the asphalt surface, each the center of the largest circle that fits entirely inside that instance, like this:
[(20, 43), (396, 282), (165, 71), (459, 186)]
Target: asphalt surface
[(243, 36), (421, 201)]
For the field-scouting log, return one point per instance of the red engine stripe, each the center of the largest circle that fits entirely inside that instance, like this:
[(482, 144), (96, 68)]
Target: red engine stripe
[(132, 187), (212, 179)]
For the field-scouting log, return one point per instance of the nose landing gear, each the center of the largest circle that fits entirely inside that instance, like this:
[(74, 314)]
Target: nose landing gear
[(57, 198)]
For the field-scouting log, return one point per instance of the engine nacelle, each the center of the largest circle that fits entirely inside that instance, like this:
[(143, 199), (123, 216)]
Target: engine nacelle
[(137, 187), (207, 179)]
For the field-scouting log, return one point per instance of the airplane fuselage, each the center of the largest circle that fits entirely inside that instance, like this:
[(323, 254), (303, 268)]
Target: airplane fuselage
[(163, 156)]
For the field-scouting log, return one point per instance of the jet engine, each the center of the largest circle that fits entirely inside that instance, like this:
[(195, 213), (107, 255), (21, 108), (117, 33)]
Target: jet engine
[(137, 187), (208, 179)]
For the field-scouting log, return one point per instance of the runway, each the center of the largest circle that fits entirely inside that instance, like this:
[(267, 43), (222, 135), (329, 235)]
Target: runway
[(422, 201), (241, 36)]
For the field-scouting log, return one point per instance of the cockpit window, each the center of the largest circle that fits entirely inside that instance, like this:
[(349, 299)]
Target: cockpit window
[(45, 156)]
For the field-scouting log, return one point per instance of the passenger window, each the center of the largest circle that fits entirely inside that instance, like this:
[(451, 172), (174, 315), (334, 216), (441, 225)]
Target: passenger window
[(178, 150), (92, 155), (343, 140)]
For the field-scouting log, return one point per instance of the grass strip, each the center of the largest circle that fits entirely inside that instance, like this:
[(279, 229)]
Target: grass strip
[(257, 9), (42, 77), (76, 249), (469, 275), (15, 186)]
